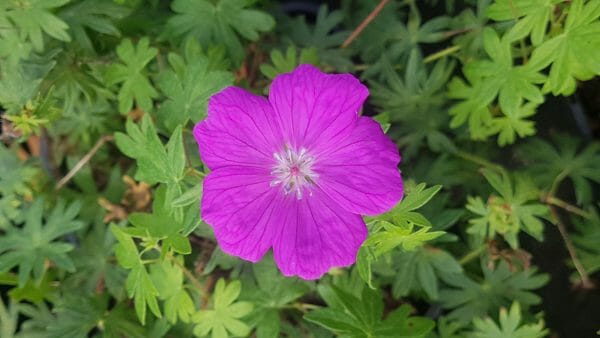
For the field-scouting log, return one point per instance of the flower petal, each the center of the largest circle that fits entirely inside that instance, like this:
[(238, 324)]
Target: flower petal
[(361, 172), (316, 235), (243, 210), (314, 107), (241, 129)]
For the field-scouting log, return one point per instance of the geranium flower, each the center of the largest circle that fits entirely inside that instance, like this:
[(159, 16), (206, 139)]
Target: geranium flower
[(296, 172)]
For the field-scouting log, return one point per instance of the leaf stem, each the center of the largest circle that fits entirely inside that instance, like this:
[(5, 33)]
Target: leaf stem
[(551, 200), (585, 279), (472, 254), (557, 181), (85, 159), (478, 160), (364, 23), (188, 274), (441, 54)]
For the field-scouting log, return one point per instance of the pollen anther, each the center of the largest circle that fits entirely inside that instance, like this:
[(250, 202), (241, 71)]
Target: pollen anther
[(293, 171)]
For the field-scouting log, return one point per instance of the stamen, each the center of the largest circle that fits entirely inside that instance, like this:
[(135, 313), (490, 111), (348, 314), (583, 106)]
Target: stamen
[(293, 171)]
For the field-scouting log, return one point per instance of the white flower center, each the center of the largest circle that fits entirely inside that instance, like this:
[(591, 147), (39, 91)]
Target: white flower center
[(293, 171)]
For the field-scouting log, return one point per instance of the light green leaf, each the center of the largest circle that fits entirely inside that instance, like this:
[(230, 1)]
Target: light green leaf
[(33, 17), (225, 315), (155, 163), (510, 326), (573, 54), (135, 85)]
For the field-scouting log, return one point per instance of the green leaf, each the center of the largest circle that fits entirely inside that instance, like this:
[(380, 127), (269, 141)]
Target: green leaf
[(168, 280), (19, 86), (16, 176), (135, 85), (224, 318), (563, 157), (514, 87), (98, 16), (33, 17), (531, 17), (573, 54), (154, 162), (285, 64), (393, 236), (508, 214), (586, 242), (351, 316), (222, 22), (141, 288), (13, 49), (28, 247), (77, 315), (323, 38), (188, 88), (510, 326), (420, 270), (270, 292), (95, 262), (160, 225), (500, 286)]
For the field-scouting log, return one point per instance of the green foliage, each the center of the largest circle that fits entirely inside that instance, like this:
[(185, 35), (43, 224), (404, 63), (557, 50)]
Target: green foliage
[(135, 85), (532, 18), (29, 246), (93, 92), (95, 16), (139, 285), (155, 162), (168, 279), (224, 318), (188, 86), (270, 294), (513, 211), (287, 63), (361, 317), (574, 53), (550, 163), (514, 87), (395, 229), (219, 22), (468, 298), (509, 326), (586, 242), (34, 17), (420, 270)]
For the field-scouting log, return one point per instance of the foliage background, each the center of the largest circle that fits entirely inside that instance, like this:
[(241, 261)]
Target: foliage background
[(494, 105)]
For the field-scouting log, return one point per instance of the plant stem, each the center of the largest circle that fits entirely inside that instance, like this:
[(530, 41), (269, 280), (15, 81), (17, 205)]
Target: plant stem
[(472, 254), (585, 279), (566, 206), (478, 160), (441, 54), (85, 159), (188, 274), (559, 178), (364, 23)]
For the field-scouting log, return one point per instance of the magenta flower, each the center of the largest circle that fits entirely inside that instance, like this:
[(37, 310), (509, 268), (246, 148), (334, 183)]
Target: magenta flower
[(295, 172)]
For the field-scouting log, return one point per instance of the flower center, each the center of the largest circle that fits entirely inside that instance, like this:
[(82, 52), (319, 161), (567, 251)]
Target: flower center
[(293, 171)]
